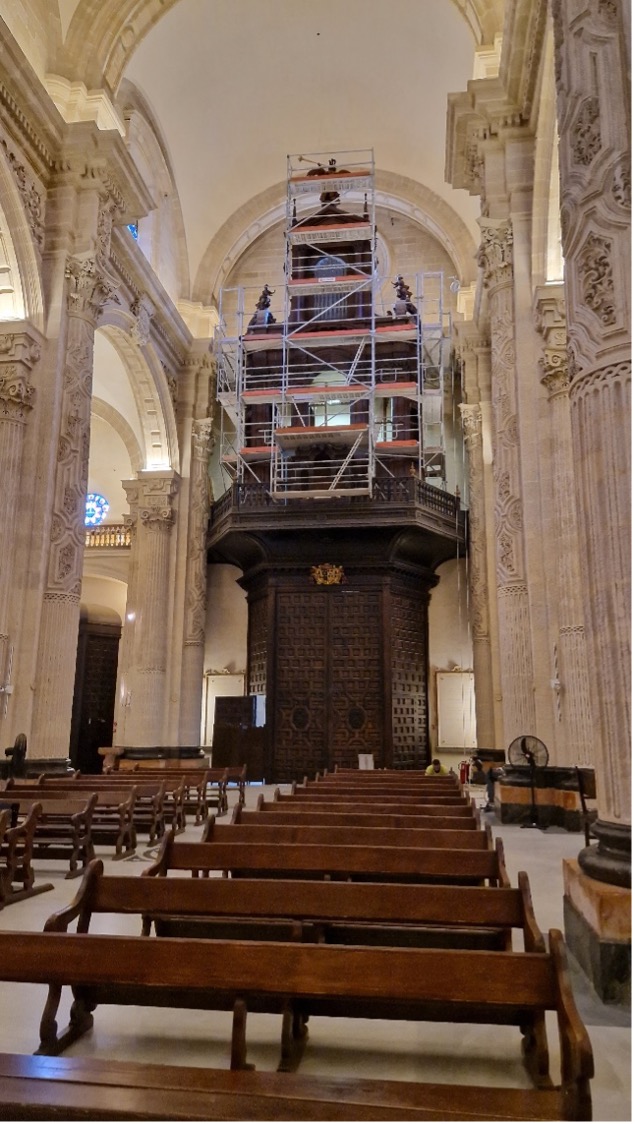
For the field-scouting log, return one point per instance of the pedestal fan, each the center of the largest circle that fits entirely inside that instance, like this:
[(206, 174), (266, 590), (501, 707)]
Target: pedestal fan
[(528, 750)]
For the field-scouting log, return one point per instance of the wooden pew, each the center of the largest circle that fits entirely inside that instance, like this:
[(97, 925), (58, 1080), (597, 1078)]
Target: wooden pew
[(377, 808), (262, 830), (203, 789), (44, 1088), (192, 771), (17, 878), (63, 826), (318, 796), (354, 862), (287, 814), (324, 912), (503, 988), (145, 813)]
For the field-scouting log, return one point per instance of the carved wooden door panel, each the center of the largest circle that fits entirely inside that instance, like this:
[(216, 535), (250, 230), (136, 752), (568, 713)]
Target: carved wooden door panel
[(328, 686)]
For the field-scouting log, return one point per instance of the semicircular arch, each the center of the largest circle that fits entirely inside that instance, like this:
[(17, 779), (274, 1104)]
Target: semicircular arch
[(22, 282), (160, 448), (113, 29), (396, 193)]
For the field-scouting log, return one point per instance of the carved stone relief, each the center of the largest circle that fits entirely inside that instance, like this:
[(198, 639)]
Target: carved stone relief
[(30, 196), (586, 137), (595, 271)]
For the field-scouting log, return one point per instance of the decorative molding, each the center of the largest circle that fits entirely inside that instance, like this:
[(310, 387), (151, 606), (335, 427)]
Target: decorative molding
[(142, 309), (621, 184), (585, 135), (595, 273), (495, 253), (90, 287), (17, 395), (30, 196)]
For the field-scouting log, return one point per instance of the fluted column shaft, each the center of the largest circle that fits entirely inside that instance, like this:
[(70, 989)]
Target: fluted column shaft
[(574, 730), (19, 351), (496, 259), (196, 584), (481, 646), (144, 721), (593, 107)]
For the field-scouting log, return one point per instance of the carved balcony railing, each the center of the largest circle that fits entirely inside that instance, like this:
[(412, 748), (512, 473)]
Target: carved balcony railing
[(396, 500), (110, 536)]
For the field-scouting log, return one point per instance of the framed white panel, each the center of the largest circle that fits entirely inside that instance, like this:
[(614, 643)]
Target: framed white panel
[(456, 710)]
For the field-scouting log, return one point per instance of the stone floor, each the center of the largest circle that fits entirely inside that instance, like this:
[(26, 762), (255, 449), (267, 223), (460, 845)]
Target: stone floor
[(400, 1050)]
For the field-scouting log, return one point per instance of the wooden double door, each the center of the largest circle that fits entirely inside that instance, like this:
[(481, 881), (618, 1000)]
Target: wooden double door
[(344, 669)]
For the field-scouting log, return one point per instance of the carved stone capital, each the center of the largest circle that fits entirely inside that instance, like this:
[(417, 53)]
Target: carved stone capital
[(17, 395), (156, 499), (554, 366), (90, 287), (495, 253)]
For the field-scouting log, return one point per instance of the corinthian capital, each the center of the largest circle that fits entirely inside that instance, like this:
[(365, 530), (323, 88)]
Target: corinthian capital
[(495, 253), (156, 498), (90, 287)]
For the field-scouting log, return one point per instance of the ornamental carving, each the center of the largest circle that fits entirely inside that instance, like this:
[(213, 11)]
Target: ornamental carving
[(621, 185), (30, 196), (471, 421), (554, 368), (143, 310), (17, 395), (202, 439), (586, 137), (607, 10), (495, 253), (20, 347), (327, 574), (156, 502), (595, 271), (90, 287)]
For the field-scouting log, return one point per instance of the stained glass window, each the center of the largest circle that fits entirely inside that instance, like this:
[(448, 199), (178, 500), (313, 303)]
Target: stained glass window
[(97, 508)]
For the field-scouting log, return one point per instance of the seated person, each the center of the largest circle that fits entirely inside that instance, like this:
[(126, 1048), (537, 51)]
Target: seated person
[(477, 772), (435, 767)]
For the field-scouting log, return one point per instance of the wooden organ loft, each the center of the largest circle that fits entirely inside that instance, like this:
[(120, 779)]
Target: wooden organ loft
[(335, 412)]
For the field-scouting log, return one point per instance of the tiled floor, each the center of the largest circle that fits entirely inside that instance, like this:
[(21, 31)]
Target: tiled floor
[(442, 1052)]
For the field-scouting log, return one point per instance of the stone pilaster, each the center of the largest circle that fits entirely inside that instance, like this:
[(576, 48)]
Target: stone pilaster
[(145, 703), (574, 728), (196, 583), (471, 419), (19, 352), (496, 259), (126, 666), (89, 287), (593, 108)]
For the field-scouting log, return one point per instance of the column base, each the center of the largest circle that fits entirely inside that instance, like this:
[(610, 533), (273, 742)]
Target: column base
[(610, 860), (597, 926)]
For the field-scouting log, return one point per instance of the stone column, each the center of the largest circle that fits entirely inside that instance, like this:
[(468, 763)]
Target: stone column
[(571, 682), (593, 108), (496, 259), (144, 722), (125, 667), (471, 419), (196, 584), (89, 287), (19, 352)]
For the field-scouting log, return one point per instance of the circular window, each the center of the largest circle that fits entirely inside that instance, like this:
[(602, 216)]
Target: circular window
[(97, 508)]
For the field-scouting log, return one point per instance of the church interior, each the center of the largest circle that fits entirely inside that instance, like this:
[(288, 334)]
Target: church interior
[(315, 338)]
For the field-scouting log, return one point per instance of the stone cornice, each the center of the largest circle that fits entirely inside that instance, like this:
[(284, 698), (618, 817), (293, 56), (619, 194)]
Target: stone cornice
[(168, 332), (89, 158), (27, 114)]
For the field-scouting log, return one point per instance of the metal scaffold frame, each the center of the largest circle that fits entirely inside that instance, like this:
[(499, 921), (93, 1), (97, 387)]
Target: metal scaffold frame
[(309, 385)]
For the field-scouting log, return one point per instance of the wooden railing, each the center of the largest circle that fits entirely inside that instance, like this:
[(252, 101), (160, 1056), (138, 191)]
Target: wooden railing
[(110, 536)]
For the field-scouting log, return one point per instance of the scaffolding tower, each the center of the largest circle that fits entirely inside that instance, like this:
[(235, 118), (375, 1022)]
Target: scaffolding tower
[(322, 394)]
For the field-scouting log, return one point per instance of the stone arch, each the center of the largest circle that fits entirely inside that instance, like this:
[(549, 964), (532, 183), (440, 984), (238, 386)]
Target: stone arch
[(108, 414), (546, 247), (150, 389), (19, 234), (105, 33), (397, 193)]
